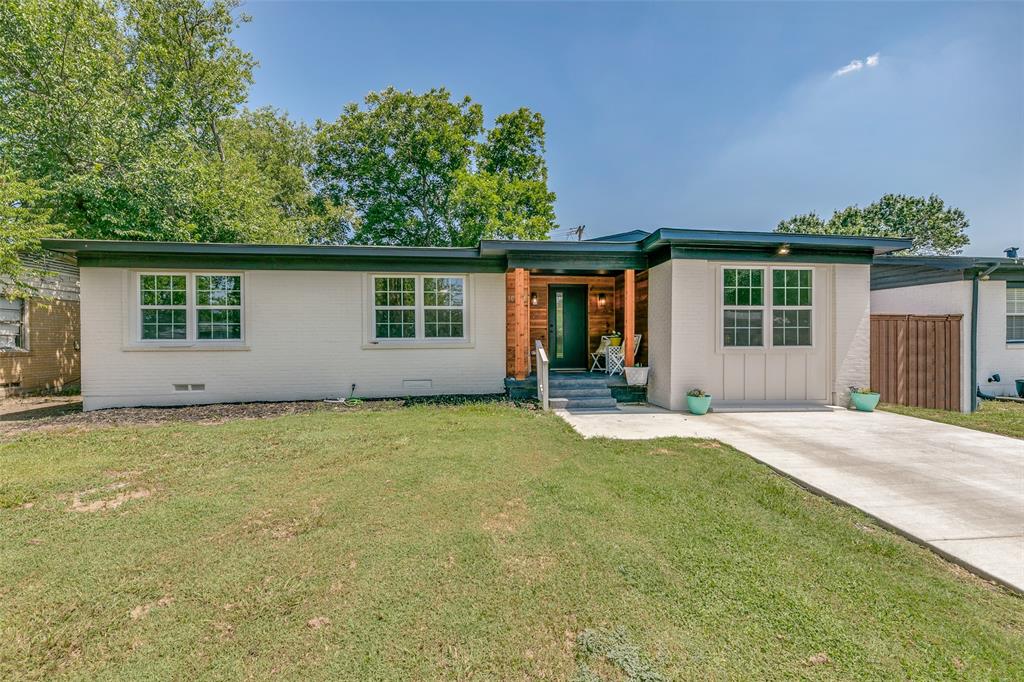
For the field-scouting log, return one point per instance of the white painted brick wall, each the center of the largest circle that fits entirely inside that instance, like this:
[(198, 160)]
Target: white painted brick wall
[(304, 331), (852, 316)]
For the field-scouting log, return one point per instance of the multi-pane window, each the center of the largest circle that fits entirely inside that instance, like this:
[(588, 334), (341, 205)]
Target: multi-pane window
[(791, 307), (443, 307), (410, 307), (746, 308), (1015, 315), (12, 324), (164, 307), (218, 306), (394, 307), (182, 307), (743, 296)]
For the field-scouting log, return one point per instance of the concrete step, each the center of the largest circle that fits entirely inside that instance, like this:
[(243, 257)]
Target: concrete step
[(558, 391), (590, 402), (558, 403), (577, 383)]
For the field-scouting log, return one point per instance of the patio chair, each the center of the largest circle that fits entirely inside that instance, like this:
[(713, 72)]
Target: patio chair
[(597, 357), (615, 358)]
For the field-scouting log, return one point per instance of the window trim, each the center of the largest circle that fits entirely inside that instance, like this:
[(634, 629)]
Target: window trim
[(191, 339), (420, 340), (768, 308), (240, 307)]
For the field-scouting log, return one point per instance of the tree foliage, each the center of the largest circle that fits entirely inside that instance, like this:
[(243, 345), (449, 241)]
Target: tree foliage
[(421, 170), (934, 228), (22, 224)]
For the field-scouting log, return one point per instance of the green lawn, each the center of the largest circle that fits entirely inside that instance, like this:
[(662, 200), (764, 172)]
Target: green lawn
[(474, 542), (1004, 418)]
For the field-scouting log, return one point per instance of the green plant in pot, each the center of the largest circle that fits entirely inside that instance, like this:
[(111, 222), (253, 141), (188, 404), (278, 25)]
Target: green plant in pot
[(615, 339), (698, 401), (864, 399)]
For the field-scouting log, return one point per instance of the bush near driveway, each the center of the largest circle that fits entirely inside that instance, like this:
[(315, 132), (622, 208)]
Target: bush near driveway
[(470, 542)]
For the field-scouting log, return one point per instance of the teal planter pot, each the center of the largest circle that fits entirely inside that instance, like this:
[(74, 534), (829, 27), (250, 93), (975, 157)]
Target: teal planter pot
[(865, 402), (699, 405)]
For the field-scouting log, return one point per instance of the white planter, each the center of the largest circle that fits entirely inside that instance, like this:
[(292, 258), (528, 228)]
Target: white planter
[(637, 376)]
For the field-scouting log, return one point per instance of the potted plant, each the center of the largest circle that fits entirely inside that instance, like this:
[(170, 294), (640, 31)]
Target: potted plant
[(637, 376), (615, 339), (698, 401), (864, 399)]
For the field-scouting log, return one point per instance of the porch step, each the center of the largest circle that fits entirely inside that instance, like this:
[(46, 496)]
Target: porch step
[(559, 391), (590, 402)]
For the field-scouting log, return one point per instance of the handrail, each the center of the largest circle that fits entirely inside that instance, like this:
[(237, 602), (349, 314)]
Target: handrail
[(542, 376)]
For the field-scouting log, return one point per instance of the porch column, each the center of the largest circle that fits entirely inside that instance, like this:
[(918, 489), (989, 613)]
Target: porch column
[(629, 314), (517, 321)]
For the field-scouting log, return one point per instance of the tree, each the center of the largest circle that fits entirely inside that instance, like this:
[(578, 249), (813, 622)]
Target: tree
[(933, 227), (415, 171), (118, 109), (24, 220)]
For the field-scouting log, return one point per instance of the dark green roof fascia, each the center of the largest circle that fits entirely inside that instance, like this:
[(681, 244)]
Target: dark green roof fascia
[(99, 259), (893, 272), (732, 240), (499, 247), (574, 263), (766, 254)]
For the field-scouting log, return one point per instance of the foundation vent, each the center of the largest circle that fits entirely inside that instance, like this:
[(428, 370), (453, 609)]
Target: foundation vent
[(189, 387)]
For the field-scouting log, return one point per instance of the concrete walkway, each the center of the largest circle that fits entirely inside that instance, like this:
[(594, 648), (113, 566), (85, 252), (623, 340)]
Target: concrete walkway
[(959, 491)]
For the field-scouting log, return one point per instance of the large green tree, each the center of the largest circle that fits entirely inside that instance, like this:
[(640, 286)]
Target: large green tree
[(422, 170), (23, 222), (934, 228), (122, 111)]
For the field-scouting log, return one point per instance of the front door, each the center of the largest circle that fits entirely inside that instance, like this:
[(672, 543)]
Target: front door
[(567, 326)]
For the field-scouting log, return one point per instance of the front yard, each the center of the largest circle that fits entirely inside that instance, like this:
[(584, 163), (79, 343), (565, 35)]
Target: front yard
[(994, 416), (480, 542)]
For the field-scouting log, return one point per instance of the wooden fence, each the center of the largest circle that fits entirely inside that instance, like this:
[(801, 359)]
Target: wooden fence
[(915, 360)]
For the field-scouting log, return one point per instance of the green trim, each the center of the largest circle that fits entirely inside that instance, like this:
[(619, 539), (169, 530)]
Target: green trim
[(585, 262), (94, 259), (768, 255), (1015, 284)]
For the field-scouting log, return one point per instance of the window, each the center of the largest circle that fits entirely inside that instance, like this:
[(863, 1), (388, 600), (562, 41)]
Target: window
[(394, 307), (420, 307), (179, 307), (1015, 314), (164, 307), (218, 307), (746, 308), (442, 307), (791, 307), (12, 324), (743, 296)]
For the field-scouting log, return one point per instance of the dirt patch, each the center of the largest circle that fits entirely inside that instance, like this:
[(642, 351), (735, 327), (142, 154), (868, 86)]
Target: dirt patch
[(820, 658), (529, 568), (509, 519), (142, 610), (106, 504), (318, 622)]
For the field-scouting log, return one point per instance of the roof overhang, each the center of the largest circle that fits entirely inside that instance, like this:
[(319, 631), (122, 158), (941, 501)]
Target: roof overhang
[(893, 272)]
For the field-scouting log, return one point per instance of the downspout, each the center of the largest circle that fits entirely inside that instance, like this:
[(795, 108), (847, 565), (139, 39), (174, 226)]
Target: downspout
[(974, 333)]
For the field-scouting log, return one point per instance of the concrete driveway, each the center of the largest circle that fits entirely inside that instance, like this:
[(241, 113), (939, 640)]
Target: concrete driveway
[(959, 491)]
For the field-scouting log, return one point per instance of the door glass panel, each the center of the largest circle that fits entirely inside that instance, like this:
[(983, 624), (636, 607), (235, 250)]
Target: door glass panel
[(559, 326)]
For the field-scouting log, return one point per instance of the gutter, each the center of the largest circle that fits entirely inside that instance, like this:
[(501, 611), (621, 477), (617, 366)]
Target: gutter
[(974, 332)]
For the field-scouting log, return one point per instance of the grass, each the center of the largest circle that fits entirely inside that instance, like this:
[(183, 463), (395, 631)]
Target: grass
[(471, 542), (994, 416)]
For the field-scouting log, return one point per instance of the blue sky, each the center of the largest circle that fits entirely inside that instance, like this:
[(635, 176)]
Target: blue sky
[(728, 115)]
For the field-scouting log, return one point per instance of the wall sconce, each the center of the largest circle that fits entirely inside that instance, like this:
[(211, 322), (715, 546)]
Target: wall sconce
[(783, 250), (533, 298), (601, 300)]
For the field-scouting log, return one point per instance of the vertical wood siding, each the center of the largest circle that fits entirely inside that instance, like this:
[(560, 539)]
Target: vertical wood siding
[(915, 360)]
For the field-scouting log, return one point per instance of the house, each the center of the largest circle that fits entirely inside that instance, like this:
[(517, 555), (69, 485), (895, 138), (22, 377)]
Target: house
[(752, 317), (989, 295), (39, 334)]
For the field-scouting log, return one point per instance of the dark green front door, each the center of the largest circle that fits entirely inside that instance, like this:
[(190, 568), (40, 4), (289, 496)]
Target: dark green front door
[(567, 326)]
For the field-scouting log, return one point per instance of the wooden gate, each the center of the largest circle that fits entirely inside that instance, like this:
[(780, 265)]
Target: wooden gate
[(915, 360)]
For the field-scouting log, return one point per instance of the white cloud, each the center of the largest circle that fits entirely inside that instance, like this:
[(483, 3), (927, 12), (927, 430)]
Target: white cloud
[(857, 65)]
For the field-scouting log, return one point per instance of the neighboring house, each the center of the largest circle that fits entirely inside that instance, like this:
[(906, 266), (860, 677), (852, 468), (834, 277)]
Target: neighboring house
[(987, 292), (39, 335), (751, 317)]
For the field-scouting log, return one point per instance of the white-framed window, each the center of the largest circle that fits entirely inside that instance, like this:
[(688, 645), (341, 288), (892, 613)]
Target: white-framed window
[(755, 297), (743, 307), (1014, 314), (792, 310), (12, 325), (410, 308), (183, 308)]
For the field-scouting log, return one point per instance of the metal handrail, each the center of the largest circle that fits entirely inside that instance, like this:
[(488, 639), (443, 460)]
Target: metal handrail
[(542, 376)]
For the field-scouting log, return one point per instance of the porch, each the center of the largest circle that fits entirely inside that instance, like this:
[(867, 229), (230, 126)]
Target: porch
[(583, 385)]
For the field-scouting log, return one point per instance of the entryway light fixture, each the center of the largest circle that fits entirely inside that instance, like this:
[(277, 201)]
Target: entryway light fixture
[(533, 298), (601, 300), (783, 250)]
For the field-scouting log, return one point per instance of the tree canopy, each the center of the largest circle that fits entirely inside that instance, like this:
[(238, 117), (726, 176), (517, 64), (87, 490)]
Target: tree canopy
[(422, 170), (934, 228)]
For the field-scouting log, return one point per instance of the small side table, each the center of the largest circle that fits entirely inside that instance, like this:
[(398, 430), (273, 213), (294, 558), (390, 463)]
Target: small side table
[(614, 360)]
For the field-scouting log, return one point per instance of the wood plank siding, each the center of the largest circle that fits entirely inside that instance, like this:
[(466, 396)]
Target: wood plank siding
[(915, 359)]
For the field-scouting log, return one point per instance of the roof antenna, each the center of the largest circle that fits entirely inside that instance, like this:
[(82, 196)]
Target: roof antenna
[(578, 231), (1011, 252)]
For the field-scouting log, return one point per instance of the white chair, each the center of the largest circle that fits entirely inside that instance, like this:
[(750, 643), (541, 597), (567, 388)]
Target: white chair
[(615, 356), (597, 357)]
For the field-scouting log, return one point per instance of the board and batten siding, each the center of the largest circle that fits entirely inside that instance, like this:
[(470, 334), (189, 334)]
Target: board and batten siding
[(305, 338), (685, 304)]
